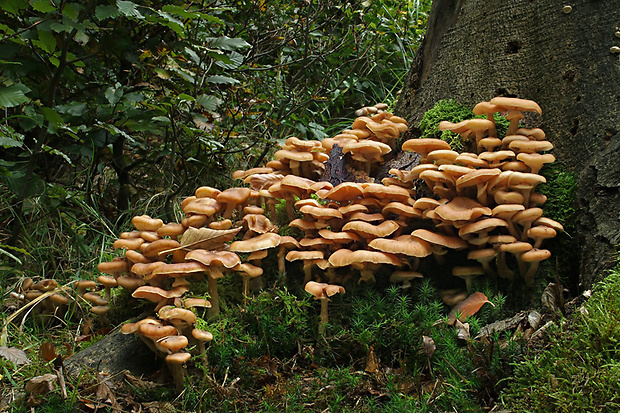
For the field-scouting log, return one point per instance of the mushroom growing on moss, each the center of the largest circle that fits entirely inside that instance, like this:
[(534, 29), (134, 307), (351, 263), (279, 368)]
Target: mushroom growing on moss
[(322, 291)]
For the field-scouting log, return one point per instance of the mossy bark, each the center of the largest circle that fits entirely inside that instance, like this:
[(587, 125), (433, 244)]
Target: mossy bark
[(475, 50)]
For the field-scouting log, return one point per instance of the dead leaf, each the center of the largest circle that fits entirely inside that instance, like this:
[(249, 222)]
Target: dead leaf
[(206, 238), (428, 345), (462, 330), (105, 390), (14, 355), (468, 307), (372, 364), (48, 351), (41, 384), (262, 181)]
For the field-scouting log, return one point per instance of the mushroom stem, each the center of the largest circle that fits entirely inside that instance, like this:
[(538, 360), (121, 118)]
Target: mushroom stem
[(246, 289), (176, 371), (215, 300), (290, 211), (502, 268), (529, 275), (324, 316)]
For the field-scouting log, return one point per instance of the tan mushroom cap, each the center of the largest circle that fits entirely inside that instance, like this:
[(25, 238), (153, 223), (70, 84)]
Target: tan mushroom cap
[(404, 277), (382, 192), (321, 213), (323, 290), (156, 331), (442, 240), (528, 146), (506, 103), (107, 281), (248, 269), (345, 191), (159, 247), (129, 283), (146, 268), (172, 314), (462, 209), (481, 227), (404, 245), (226, 259), (180, 269), (425, 145), (196, 302), (202, 206), (293, 155), (344, 257), (173, 343), (128, 243), (535, 255), (114, 267), (261, 242), (401, 210), (253, 171), (339, 237), (368, 230), (95, 299), (146, 223), (304, 255), (202, 335), (178, 358)]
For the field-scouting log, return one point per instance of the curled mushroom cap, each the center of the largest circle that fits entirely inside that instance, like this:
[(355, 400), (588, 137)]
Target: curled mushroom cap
[(323, 290), (262, 242), (146, 223)]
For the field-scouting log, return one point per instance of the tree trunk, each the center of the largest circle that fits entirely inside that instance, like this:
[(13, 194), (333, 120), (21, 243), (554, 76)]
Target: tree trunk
[(475, 50)]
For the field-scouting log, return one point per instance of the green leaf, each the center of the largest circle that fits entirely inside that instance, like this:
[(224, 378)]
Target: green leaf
[(185, 98), (46, 41), (44, 6), (234, 61), (129, 9), (10, 141), (56, 152), (221, 80), (51, 116), (12, 96), (209, 102), (175, 24), (73, 108), (180, 11), (113, 95), (13, 6), (5, 252), (106, 12), (228, 43)]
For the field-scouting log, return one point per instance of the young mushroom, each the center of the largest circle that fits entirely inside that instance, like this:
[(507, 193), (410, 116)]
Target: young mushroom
[(322, 291)]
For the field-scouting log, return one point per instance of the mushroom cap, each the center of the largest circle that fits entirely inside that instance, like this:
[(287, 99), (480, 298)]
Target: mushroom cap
[(339, 237), (95, 298), (442, 240), (248, 269), (541, 232), (345, 191), (174, 313), (209, 192), (304, 255), (516, 247), (368, 230), (382, 192), (461, 209), (159, 247), (128, 243), (202, 335), (425, 145), (129, 283), (505, 103), (178, 358), (234, 195), (202, 206), (479, 227), (535, 255), (261, 242), (196, 302), (156, 331), (404, 244), (323, 290), (344, 257), (465, 271), (145, 268), (180, 269), (400, 276), (320, 212), (173, 343), (226, 259), (401, 210), (146, 223), (253, 171)]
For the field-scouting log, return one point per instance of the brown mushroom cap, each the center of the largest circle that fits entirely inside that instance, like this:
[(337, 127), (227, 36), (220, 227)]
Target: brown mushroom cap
[(442, 240), (368, 230), (226, 259), (462, 209), (173, 343), (146, 223), (344, 257), (346, 191), (404, 244), (322, 290), (261, 242)]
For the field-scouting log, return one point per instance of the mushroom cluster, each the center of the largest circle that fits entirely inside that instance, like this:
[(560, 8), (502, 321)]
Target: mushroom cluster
[(483, 200)]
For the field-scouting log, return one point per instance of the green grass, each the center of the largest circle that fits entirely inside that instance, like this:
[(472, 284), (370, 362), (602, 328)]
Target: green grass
[(579, 368)]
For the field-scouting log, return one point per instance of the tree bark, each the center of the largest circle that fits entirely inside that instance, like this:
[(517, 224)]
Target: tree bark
[(475, 50)]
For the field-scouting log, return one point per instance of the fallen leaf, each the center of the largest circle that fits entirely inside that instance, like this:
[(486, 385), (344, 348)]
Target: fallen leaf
[(428, 345), (41, 384), (372, 364), (207, 238), (468, 307), (48, 351), (462, 330), (14, 355)]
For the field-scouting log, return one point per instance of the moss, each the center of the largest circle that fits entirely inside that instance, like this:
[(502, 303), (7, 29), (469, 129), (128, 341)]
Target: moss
[(578, 370), (454, 112), (560, 192)]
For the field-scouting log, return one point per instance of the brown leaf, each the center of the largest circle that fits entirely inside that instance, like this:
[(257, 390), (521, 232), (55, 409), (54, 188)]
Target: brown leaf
[(207, 238), (14, 355), (48, 351), (468, 307), (372, 364), (428, 345), (41, 384)]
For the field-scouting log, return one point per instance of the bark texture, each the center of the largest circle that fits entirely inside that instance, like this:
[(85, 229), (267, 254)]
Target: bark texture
[(475, 50)]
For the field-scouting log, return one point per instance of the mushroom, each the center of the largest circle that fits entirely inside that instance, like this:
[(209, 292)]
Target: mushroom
[(322, 291), (175, 363)]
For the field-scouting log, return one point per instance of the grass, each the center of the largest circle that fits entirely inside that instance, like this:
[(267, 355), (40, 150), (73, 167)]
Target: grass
[(578, 369)]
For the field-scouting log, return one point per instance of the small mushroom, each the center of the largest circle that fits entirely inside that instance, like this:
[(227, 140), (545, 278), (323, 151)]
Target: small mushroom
[(322, 291)]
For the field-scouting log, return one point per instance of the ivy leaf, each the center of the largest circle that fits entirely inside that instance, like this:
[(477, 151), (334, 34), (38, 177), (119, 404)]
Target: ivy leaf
[(209, 102), (14, 355), (12, 96), (221, 80)]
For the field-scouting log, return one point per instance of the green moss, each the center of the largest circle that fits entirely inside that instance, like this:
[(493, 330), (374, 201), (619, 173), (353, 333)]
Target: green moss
[(452, 111), (578, 371), (560, 192)]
